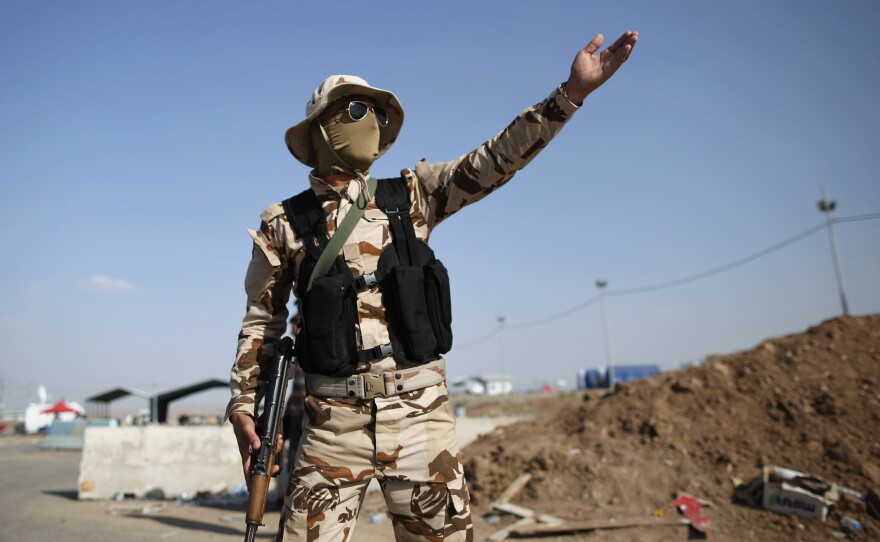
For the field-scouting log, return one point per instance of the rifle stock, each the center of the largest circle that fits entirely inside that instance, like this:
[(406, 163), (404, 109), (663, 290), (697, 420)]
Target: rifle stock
[(268, 427)]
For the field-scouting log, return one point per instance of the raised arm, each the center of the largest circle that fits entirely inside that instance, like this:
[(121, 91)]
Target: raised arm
[(446, 187)]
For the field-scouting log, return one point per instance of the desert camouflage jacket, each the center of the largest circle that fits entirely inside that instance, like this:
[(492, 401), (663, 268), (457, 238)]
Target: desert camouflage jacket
[(437, 191)]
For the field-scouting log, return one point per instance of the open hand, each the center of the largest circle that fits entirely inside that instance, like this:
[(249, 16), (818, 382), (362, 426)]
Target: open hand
[(590, 70)]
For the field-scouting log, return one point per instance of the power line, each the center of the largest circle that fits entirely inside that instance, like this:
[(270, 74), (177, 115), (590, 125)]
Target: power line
[(533, 323), (555, 317), (857, 218), (475, 342), (722, 268), (676, 282)]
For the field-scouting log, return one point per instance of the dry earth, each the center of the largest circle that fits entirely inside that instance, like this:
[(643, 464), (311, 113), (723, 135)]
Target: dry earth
[(807, 401)]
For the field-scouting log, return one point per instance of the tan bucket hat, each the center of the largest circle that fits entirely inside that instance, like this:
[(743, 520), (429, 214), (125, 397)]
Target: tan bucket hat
[(334, 87)]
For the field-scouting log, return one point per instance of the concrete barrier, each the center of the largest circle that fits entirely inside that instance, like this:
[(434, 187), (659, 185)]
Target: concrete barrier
[(69, 435), (183, 460), (177, 460)]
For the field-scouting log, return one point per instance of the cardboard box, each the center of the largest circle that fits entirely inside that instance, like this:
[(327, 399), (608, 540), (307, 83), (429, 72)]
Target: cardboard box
[(788, 492)]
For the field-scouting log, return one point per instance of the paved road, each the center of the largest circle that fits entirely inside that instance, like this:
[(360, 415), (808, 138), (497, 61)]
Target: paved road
[(38, 502)]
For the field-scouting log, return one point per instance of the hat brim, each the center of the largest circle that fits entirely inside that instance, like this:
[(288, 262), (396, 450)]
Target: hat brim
[(297, 137)]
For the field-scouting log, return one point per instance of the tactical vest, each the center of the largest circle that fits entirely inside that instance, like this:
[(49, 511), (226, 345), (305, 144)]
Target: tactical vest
[(413, 283)]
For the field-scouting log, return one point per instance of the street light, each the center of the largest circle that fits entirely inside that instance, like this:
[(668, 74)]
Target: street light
[(828, 207), (609, 363), (501, 319)]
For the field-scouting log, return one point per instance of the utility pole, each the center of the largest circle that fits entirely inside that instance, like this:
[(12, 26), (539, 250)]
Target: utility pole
[(501, 319), (609, 362), (828, 207)]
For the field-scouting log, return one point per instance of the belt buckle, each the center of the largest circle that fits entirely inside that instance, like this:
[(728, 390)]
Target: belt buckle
[(374, 384)]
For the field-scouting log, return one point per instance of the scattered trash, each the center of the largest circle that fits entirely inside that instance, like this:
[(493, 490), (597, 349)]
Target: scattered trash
[(513, 489), (850, 524), (581, 526), (378, 517), (169, 534), (505, 532), (154, 495), (492, 519), (221, 488), (788, 491), (692, 508), (219, 496), (127, 510), (750, 494), (658, 513), (526, 515), (120, 496), (227, 519), (851, 492)]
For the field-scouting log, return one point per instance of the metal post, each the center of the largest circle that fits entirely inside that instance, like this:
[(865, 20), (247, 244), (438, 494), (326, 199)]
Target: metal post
[(828, 207), (609, 360), (501, 320)]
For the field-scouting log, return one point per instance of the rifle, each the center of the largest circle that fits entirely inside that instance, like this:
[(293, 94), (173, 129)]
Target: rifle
[(268, 426)]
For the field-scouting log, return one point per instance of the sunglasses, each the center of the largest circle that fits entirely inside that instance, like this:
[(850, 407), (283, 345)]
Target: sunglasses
[(358, 110)]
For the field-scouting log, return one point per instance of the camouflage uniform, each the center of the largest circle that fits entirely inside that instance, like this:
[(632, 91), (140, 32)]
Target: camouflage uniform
[(406, 441)]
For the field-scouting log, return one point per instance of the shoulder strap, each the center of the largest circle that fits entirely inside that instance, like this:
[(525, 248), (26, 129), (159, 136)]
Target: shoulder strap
[(331, 251), (392, 196)]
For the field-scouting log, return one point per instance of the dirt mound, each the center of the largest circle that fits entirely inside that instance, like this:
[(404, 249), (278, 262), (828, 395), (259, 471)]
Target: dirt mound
[(808, 401)]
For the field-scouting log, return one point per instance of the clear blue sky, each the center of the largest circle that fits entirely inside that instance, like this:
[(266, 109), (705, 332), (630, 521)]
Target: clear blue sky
[(138, 140)]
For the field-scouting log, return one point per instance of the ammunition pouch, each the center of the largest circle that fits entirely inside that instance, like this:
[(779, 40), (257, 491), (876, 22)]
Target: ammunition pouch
[(326, 340), (417, 306), (414, 286)]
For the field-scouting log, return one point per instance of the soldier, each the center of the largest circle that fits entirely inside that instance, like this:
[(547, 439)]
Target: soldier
[(372, 339)]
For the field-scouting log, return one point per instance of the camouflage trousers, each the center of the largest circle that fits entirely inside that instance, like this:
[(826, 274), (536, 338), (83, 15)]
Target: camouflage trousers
[(407, 442)]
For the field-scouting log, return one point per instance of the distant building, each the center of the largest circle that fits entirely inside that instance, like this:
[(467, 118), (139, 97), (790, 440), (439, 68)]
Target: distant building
[(39, 416), (481, 385)]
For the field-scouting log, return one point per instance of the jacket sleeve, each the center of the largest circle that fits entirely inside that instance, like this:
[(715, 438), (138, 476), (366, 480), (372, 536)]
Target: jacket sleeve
[(446, 187), (268, 283)]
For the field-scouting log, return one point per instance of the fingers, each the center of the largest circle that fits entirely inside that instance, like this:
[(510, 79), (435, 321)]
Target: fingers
[(253, 440), (247, 439), (624, 38), (618, 52), (594, 45)]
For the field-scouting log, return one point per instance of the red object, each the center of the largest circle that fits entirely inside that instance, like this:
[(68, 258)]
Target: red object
[(693, 510), (59, 408)]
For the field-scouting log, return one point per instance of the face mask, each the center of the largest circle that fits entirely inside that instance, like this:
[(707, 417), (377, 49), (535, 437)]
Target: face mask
[(355, 143)]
